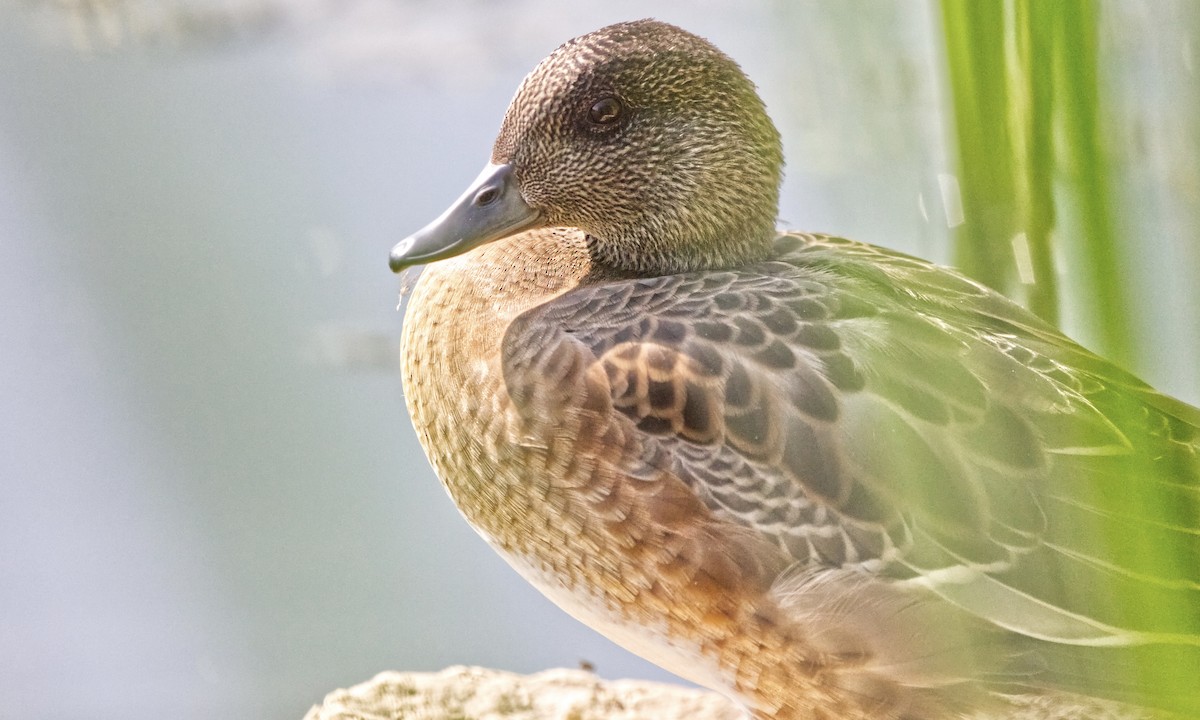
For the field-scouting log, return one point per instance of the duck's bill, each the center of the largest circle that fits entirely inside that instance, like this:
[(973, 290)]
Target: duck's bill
[(492, 208)]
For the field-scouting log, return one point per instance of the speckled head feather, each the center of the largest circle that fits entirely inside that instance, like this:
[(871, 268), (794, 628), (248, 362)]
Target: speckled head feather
[(654, 143)]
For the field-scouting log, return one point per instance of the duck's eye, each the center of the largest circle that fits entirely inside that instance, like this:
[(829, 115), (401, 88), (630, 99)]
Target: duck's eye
[(605, 111)]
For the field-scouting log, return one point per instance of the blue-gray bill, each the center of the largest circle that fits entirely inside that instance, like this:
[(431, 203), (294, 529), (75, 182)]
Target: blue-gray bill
[(490, 209)]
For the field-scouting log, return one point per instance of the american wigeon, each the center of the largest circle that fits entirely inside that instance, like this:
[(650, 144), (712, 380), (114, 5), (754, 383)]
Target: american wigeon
[(826, 479)]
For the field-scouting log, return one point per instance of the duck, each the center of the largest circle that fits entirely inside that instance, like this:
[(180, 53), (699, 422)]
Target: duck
[(823, 478)]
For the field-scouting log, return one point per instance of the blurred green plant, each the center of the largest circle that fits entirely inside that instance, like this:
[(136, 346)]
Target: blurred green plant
[(1027, 106), (1026, 101)]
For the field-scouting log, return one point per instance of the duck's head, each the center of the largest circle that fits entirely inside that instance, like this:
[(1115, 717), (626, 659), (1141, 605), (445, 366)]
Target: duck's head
[(644, 136)]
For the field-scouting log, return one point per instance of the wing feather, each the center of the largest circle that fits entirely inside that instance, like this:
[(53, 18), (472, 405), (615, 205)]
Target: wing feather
[(867, 412)]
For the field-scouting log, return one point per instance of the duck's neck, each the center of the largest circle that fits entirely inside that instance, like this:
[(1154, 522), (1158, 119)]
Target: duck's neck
[(645, 253), (682, 244)]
